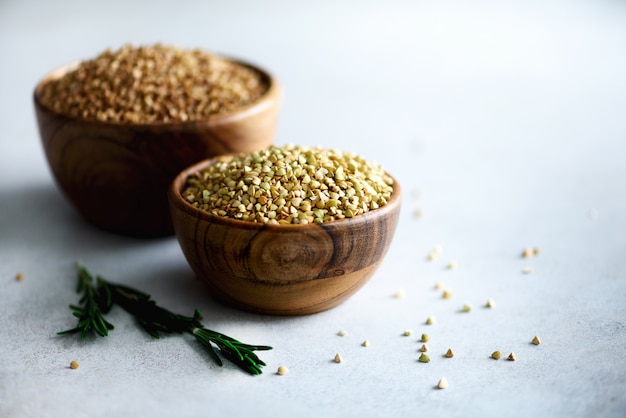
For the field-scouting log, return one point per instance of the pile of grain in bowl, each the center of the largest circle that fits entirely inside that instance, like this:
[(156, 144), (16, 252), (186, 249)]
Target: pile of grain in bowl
[(153, 84), (290, 185)]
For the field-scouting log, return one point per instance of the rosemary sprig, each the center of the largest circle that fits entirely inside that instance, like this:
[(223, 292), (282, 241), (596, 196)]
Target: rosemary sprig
[(156, 320), (89, 313)]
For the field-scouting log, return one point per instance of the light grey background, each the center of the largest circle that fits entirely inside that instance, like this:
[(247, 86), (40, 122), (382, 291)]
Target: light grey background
[(505, 123)]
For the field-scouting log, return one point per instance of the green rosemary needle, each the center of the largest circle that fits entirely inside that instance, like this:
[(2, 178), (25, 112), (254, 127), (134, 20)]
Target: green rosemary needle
[(89, 313), (156, 320)]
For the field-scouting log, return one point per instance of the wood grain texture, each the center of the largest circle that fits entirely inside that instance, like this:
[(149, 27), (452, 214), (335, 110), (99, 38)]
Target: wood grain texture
[(282, 269), (117, 175)]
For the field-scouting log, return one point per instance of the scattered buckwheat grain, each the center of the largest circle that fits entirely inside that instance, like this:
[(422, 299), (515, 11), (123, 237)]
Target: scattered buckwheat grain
[(435, 253), (424, 358), (338, 358), (449, 353), (511, 357), (443, 383), (536, 340)]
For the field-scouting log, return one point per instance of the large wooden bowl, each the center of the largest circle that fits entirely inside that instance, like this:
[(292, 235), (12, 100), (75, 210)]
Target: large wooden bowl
[(282, 269), (117, 175)]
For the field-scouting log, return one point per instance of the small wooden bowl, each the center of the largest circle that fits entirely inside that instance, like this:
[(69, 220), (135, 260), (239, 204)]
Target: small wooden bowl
[(117, 175), (282, 269)]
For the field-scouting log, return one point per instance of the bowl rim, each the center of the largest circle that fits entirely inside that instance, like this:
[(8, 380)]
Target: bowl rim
[(266, 100), (176, 199)]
